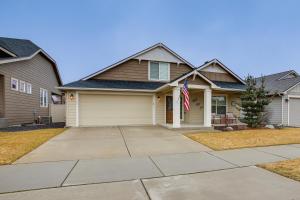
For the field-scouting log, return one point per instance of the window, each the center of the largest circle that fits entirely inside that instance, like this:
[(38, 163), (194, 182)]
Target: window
[(14, 84), (22, 86), (28, 88), (159, 71), (43, 98), (218, 105)]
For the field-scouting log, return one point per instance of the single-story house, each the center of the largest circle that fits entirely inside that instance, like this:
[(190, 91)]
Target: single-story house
[(285, 106), (146, 89), (28, 81)]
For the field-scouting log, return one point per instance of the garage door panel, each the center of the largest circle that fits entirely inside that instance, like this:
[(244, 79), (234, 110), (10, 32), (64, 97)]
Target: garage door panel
[(294, 112), (107, 110)]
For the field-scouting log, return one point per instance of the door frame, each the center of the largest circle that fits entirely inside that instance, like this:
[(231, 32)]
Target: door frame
[(165, 107)]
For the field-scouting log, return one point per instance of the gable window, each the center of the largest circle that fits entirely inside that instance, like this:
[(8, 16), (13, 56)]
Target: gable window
[(159, 71), (14, 84), (43, 97), (22, 86), (218, 105), (28, 88)]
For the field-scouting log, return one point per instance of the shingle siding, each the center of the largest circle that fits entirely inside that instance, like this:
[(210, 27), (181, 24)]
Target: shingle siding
[(274, 111), (39, 72)]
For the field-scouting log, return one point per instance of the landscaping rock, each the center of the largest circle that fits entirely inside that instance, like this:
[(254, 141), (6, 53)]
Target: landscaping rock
[(270, 126), (228, 128)]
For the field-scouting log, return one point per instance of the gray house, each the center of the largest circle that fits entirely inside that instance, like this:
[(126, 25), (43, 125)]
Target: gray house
[(285, 106), (28, 81)]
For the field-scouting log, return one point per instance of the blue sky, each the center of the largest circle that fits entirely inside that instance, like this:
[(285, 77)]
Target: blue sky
[(255, 37)]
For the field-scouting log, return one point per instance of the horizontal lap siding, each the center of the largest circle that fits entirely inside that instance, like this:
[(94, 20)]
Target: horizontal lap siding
[(225, 77), (70, 110), (133, 70), (274, 111), (196, 113), (160, 108), (37, 71), (294, 91)]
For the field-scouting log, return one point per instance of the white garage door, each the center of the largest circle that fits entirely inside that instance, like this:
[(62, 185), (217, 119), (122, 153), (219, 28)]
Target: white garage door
[(111, 110), (294, 112)]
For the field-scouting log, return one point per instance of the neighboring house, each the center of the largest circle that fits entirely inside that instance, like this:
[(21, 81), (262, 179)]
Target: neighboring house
[(145, 89), (28, 81), (285, 106)]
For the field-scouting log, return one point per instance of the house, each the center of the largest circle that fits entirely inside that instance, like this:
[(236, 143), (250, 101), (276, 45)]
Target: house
[(145, 89), (285, 89), (28, 81)]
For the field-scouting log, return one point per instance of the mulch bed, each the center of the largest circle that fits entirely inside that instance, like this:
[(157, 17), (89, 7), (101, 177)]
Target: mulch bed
[(32, 127)]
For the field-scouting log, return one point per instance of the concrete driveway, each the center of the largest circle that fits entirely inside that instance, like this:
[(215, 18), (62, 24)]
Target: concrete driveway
[(111, 142)]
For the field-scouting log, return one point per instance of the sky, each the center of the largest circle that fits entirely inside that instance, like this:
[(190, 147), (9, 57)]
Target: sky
[(256, 37)]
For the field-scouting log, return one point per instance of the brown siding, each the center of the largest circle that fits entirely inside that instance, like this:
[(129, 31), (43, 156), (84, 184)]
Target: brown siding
[(219, 76), (132, 70), (196, 81), (39, 72)]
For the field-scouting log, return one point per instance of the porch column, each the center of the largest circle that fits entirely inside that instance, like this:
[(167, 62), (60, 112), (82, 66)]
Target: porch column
[(207, 107), (154, 109), (176, 107)]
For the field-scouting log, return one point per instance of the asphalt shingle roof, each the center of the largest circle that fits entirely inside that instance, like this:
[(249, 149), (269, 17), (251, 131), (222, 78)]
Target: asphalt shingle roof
[(230, 85), (19, 47), (115, 84), (274, 85)]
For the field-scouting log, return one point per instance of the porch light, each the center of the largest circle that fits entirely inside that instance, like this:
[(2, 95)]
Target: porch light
[(71, 96), (158, 98), (287, 100)]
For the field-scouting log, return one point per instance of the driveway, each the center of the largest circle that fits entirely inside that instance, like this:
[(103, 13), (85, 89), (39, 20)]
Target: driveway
[(112, 142)]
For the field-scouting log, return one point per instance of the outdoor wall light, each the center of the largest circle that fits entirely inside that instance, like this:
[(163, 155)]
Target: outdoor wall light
[(287, 100), (71, 96), (158, 98)]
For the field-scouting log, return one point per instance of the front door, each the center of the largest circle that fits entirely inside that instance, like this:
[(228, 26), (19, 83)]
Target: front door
[(169, 109)]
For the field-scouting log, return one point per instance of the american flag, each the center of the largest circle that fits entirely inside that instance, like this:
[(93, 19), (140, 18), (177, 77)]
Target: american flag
[(185, 92)]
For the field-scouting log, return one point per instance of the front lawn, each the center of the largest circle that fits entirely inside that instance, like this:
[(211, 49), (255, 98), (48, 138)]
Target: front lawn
[(14, 145), (287, 168), (247, 138)]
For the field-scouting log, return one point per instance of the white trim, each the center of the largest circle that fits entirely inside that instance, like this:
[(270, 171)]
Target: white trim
[(30, 57), (207, 98), (154, 109), (8, 52), (17, 84), (288, 74), (282, 101), (195, 72), (77, 109), (223, 66), (28, 84), (176, 107), (160, 80), (192, 86), (43, 92), (20, 88), (226, 98), (288, 109), (135, 55), (285, 92)]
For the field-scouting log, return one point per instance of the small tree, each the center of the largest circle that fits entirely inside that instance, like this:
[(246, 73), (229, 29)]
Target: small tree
[(254, 100)]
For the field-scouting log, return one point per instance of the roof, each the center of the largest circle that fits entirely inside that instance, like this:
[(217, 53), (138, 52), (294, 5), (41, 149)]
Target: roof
[(22, 49), (114, 84), (137, 54), (206, 64), (230, 85), (274, 83), (19, 47)]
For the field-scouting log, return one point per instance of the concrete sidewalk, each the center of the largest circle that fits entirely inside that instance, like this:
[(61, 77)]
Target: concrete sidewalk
[(33, 176)]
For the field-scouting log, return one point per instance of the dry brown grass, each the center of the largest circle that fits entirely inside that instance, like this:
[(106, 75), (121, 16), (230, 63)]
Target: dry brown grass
[(14, 145), (287, 168), (247, 138)]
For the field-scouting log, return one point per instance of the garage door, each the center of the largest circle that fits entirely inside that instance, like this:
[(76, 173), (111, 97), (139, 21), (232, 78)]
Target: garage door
[(111, 110), (294, 112)]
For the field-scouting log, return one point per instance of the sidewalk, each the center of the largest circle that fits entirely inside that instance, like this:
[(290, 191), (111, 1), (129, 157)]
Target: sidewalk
[(138, 173)]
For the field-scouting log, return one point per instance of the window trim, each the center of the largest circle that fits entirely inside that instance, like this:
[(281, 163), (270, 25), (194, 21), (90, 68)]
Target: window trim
[(44, 104), (17, 84), (149, 71), (20, 87), (226, 104), (27, 84)]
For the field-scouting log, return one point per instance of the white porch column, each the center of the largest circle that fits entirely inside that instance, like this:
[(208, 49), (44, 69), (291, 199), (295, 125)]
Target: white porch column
[(207, 107), (154, 109), (176, 107)]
